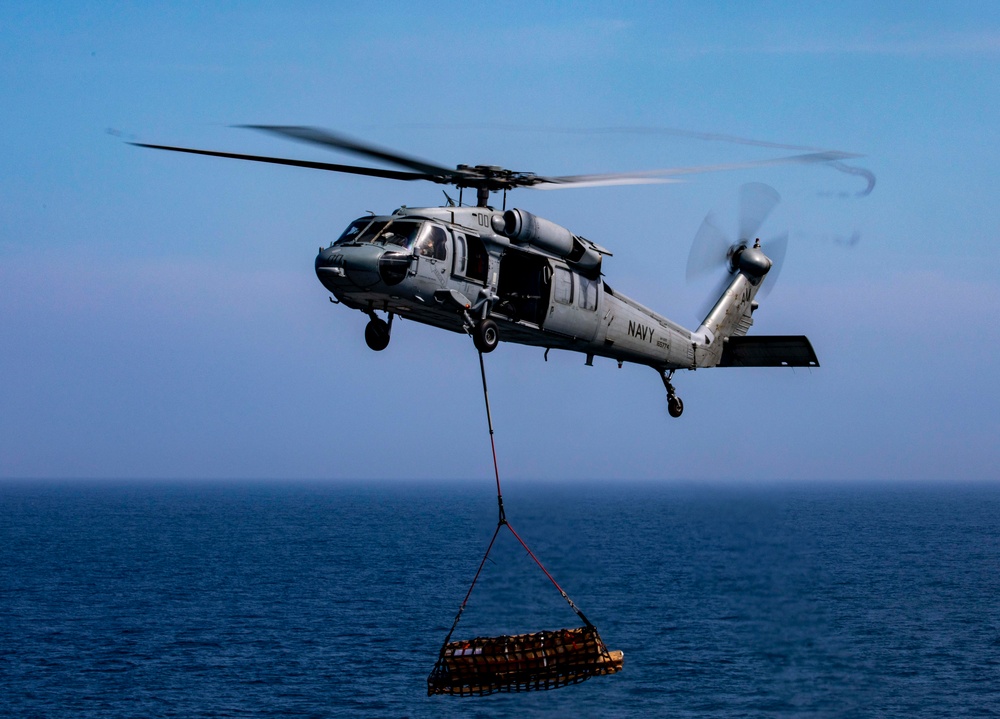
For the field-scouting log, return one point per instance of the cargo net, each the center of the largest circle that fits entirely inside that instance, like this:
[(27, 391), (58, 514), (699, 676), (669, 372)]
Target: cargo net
[(520, 663)]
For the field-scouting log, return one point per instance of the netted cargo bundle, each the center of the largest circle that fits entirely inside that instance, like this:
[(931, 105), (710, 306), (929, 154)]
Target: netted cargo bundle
[(523, 662)]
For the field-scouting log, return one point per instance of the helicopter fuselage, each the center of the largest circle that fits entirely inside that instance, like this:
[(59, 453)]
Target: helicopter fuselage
[(542, 288), (514, 276)]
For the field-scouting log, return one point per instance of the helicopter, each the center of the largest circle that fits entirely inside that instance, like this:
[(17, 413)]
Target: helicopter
[(509, 275)]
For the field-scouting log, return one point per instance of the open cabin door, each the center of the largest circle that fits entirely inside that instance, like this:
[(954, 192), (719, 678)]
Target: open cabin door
[(524, 287)]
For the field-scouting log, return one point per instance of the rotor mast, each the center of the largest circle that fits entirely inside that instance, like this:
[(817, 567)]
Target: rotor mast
[(490, 178)]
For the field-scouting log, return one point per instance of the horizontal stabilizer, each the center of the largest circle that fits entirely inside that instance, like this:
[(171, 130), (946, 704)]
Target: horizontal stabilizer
[(774, 351)]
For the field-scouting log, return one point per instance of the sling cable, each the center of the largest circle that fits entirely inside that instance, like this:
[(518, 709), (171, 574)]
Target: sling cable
[(523, 662)]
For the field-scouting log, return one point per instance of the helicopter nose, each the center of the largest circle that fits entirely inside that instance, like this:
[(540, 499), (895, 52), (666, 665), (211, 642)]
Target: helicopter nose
[(348, 267)]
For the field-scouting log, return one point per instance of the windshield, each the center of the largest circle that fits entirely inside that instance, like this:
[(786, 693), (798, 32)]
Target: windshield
[(383, 232)]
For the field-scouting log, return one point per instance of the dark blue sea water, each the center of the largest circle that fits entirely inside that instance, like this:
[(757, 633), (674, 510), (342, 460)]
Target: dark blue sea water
[(261, 599)]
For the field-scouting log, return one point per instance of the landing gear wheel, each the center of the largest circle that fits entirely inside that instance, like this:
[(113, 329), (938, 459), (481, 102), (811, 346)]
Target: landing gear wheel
[(675, 406), (377, 334), (486, 335)]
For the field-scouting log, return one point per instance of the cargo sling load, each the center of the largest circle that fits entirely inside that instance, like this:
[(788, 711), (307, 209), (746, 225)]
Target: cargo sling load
[(521, 662)]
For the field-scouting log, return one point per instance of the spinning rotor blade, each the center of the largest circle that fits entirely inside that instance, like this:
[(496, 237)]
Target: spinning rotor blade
[(499, 178), (610, 180), (713, 250), (486, 178), (775, 249), (324, 138), (710, 247), (757, 200), (669, 174), (350, 169)]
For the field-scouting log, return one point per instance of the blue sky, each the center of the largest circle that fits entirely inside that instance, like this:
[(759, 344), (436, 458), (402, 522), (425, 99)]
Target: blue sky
[(160, 316)]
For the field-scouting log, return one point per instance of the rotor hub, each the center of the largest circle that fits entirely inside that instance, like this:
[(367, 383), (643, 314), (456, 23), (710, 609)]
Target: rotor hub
[(752, 261)]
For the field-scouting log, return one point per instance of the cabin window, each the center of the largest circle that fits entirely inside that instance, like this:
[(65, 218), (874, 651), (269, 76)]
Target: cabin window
[(433, 243), (470, 261), (478, 264), (588, 293), (563, 286), (459, 266)]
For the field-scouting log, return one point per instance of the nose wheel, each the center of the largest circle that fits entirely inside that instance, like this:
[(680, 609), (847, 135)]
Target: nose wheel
[(675, 405), (377, 333)]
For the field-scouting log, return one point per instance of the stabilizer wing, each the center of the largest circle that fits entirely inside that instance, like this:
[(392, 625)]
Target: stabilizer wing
[(769, 351)]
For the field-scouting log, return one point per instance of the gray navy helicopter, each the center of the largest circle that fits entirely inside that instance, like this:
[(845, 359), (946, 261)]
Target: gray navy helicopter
[(510, 275)]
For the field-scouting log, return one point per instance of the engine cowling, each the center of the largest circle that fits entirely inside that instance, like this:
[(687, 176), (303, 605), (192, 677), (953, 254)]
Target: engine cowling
[(524, 228)]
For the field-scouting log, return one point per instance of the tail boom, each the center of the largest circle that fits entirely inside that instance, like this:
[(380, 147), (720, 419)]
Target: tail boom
[(720, 341)]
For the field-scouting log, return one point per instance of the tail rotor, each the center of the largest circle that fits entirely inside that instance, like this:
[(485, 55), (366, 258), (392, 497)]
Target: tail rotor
[(716, 252)]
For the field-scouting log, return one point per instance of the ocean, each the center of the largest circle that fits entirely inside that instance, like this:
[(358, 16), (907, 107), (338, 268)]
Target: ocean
[(329, 599)]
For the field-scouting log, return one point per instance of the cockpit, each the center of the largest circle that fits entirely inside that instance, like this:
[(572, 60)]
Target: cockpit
[(423, 238)]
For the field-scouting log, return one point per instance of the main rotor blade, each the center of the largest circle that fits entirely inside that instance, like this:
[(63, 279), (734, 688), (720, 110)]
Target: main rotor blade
[(489, 178), (327, 139), (549, 183), (350, 169), (665, 174), (756, 202)]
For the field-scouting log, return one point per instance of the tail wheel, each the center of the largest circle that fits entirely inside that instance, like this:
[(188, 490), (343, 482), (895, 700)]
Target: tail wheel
[(486, 335), (675, 406), (377, 334)]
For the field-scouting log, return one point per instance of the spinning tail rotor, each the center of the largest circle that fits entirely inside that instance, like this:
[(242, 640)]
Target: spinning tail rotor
[(716, 252)]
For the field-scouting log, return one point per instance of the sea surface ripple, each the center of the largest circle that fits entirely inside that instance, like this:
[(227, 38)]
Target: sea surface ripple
[(297, 599)]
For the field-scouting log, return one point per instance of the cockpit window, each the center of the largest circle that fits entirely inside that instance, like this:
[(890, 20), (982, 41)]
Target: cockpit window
[(383, 232), (433, 243), (424, 238)]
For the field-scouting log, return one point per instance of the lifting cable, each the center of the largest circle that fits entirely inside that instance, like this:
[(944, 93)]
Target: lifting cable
[(525, 662), (502, 522)]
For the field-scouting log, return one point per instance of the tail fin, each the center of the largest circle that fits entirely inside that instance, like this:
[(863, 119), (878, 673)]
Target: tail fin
[(732, 315)]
